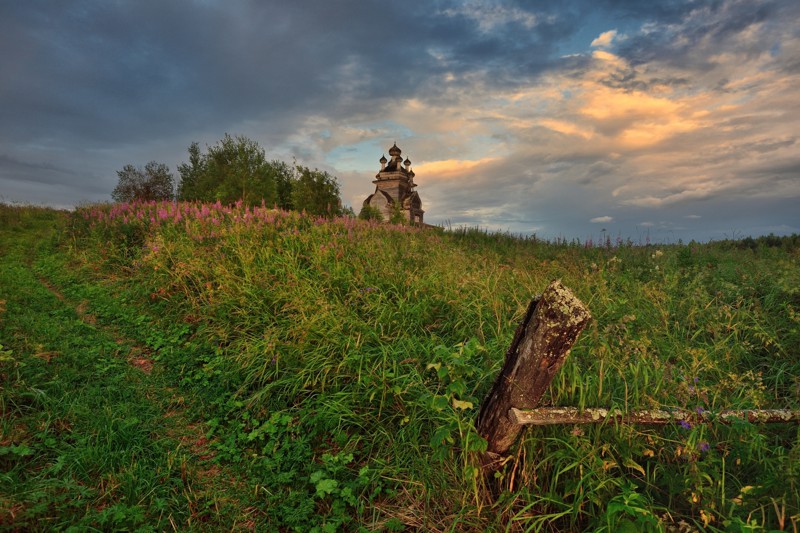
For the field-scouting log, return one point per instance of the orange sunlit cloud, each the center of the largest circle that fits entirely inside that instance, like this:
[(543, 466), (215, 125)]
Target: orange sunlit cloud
[(567, 128), (450, 168), (604, 39)]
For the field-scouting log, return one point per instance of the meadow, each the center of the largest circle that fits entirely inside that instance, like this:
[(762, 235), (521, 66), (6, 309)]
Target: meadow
[(203, 366)]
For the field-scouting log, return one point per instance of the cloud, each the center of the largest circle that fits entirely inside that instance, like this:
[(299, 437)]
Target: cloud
[(601, 220), (489, 15), (683, 109), (604, 39), (567, 128), (451, 168)]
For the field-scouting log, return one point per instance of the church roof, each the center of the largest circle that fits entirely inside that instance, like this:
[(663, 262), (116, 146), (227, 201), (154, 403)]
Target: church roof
[(395, 168)]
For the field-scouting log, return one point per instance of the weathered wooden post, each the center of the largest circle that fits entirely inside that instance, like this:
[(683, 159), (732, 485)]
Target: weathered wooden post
[(541, 343)]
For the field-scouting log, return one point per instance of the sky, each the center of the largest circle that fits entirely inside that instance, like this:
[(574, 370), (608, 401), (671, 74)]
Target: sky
[(664, 120)]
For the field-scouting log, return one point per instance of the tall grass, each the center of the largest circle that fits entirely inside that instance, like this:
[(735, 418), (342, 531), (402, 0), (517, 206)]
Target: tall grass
[(89, 442), (347, 360)]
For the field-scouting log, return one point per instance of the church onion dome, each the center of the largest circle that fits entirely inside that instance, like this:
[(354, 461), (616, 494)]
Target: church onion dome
[(383, 159), (407, 162), (394, 150)]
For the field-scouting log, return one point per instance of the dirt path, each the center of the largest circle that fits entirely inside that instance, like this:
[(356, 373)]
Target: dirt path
[(93, 434)]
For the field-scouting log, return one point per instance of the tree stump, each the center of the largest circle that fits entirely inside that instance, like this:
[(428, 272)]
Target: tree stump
[(541, 343)]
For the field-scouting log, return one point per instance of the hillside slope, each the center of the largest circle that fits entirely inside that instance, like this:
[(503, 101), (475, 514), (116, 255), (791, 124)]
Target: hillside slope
[(340, 365)]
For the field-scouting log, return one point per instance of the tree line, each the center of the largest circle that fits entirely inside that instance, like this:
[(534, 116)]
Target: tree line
[(234, 169)]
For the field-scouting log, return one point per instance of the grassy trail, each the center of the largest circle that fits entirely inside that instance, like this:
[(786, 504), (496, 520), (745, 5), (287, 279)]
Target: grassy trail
[(93, 435)]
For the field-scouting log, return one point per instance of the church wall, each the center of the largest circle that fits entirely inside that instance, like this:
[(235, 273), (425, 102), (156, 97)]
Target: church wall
[(379, 202)]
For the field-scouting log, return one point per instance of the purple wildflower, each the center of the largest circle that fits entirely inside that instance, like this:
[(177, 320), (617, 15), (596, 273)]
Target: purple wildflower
[(704, 446), (685, 425)]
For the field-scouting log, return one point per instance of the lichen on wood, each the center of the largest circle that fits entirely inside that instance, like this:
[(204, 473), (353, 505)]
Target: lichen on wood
[(547, 416), (541, 343)]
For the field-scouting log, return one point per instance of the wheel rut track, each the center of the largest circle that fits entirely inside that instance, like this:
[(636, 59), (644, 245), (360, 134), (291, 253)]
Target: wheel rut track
[(204, 477)]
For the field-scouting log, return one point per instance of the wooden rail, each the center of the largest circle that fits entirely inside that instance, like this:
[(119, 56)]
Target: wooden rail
[(548, 416), (541, 343)]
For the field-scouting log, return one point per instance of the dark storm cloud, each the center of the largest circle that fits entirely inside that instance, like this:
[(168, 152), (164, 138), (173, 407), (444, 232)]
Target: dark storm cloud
[(32, 168), (667, 11), (117, 72), (705, 26)]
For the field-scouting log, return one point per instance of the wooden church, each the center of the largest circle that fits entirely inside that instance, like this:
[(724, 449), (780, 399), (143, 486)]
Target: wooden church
[(394, 189)]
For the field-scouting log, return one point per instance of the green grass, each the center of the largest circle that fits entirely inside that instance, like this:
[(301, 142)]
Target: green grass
[(339, 365), (88, 441)]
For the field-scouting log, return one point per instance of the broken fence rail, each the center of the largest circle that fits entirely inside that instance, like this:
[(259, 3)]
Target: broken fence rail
[(541, 344), (548, 416)]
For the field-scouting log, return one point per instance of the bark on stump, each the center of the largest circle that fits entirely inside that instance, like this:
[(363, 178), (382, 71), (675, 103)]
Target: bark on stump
[(541, 343)]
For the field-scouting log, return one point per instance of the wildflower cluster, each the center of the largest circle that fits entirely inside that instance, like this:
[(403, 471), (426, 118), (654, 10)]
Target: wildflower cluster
[(202, 221)]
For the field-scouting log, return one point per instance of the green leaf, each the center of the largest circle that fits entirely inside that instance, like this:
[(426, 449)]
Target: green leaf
[(458, 387), (20, 451), (630, 463), (458, 404), (475, 443), (326, 486), (627, 526), (440, 403), (347, 496), (440, 436)]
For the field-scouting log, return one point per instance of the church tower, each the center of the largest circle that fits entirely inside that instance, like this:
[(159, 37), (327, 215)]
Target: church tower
[(394, 189)]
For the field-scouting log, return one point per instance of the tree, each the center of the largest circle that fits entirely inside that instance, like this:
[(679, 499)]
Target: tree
[(398, 215), (155, 182), (236, 169), (191, 173), (370, 213), (239, 169), (284, 183), (233, 169), (316, 192)]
